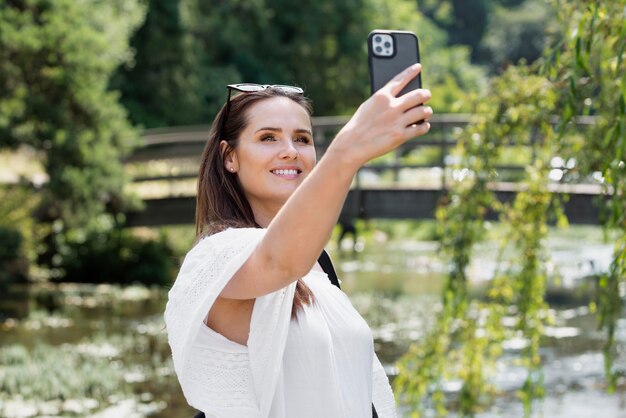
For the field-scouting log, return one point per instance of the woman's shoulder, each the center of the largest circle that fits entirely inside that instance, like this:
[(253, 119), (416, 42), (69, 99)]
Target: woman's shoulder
[(214, 252), (228, 235), (227, 239)]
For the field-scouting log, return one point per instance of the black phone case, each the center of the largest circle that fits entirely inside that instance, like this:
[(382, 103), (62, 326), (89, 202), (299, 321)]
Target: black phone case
[(383, 69)]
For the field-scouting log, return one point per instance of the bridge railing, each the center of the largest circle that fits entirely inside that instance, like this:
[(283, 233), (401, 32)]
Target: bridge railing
[(174, 153), (183, 146), (406, 183)]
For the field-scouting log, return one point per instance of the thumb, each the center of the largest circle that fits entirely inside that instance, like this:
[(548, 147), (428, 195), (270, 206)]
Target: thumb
[(396, 84)]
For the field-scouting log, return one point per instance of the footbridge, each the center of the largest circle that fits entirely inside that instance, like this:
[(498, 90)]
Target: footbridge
[(406, 184)]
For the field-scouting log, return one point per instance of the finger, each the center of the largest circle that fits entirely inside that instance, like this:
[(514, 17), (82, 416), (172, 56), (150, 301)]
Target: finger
[(417, 114), (415, 98), (396, 84), (417, 129)]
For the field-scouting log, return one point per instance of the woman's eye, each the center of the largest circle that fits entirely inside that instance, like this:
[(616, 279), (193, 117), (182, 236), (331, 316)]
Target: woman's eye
[(268, 138), (304, 139)]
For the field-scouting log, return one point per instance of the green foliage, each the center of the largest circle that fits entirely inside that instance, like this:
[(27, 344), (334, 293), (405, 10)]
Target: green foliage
[(497, 32), (583, 75), (56, 58), (187, 52), (517, 33), (18, 235), (163, 84), (589, 69), (467, 338), (453, 81), (13, 265), (116, 256), (464, 20)]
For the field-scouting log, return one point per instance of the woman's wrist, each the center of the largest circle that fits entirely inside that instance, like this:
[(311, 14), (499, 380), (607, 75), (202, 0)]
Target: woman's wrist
[(342, 153)]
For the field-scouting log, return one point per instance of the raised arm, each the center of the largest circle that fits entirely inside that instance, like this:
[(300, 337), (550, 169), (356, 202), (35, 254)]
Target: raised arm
[(298, 233)]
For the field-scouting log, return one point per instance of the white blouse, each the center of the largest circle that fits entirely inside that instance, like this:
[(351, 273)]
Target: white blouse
[(320, 365), (327, 365)]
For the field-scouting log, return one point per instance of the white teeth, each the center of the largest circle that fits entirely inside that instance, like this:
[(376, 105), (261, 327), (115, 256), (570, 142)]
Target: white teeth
[(286, 172)]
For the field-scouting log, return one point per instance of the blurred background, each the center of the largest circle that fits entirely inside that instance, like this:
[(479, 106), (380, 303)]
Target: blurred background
[(489, 257)]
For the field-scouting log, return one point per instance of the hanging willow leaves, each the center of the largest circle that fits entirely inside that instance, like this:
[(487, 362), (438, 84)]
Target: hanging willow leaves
[(468, 336), (583, 74), (597, 78)]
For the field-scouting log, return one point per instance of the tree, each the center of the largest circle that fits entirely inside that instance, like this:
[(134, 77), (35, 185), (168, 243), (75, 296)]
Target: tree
[(517, 33), (56, 58), (464, 21), (582, 74), (319, 45), (188, 50), (164, 84), (588, 69), (498, 32)]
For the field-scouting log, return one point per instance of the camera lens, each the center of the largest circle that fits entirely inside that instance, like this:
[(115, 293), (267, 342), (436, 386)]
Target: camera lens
[(379, 49), (377, 39), (387, 44)]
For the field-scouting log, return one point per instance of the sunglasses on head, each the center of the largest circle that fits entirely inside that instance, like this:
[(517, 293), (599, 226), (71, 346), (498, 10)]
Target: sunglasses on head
[(252, 87)]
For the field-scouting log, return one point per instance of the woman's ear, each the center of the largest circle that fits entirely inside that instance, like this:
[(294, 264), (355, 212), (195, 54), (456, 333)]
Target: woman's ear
[(229, 157)]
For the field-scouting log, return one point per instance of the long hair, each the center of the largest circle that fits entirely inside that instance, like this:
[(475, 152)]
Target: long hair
[(220, 200)]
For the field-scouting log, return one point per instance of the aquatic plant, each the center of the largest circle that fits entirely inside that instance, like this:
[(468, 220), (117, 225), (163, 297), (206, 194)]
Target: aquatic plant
[(92, 374)]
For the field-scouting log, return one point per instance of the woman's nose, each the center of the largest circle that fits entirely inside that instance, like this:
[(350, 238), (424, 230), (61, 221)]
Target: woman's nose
[(288, 151)]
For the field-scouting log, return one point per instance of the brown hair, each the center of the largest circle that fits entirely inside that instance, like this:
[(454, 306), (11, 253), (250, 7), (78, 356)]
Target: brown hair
[(220, 201)]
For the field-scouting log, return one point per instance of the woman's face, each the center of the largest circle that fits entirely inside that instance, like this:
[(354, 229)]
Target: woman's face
[(275, 152)]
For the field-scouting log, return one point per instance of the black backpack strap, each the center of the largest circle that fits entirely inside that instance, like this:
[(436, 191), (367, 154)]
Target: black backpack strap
[(329, 269)]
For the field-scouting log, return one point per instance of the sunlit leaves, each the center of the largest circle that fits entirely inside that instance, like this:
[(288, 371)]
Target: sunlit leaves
[(582, 75), (592, 65)]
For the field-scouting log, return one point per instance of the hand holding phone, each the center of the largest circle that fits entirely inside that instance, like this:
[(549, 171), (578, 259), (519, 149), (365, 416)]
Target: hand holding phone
[(385, 121)]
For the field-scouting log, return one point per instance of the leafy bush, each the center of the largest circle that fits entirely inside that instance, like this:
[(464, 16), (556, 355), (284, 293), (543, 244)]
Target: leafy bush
[(117, 256), (518, 33), (18, 236), (13, 264)]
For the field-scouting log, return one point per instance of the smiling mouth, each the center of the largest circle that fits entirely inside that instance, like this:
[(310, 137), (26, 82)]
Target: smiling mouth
[(289, 172)]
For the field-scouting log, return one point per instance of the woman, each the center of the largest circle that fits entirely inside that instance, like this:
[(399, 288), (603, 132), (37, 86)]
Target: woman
[(256, 329)]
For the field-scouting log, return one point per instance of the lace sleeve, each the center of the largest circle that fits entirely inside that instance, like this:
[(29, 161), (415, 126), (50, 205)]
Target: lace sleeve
[(207, 268), (251, 377), (382, 395)]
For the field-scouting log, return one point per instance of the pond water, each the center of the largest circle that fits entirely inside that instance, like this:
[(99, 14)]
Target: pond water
[(101, 351)]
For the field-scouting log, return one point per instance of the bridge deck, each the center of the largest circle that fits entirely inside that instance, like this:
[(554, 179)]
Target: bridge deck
[(581, 205)]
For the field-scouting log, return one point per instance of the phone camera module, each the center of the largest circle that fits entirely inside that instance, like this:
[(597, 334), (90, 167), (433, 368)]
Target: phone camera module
[(382, 45)]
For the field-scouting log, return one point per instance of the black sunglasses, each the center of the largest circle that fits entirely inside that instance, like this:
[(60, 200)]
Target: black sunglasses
[(252, 87)]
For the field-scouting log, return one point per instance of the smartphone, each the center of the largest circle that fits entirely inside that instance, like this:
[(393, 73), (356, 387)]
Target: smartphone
[(389, 53)]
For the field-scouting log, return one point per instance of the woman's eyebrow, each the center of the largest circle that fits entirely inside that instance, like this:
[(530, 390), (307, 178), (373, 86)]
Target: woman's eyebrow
[(304, 131), (266, 128), (299, 131)]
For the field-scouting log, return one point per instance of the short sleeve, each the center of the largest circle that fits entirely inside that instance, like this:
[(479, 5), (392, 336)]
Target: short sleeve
[(206, 270)]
